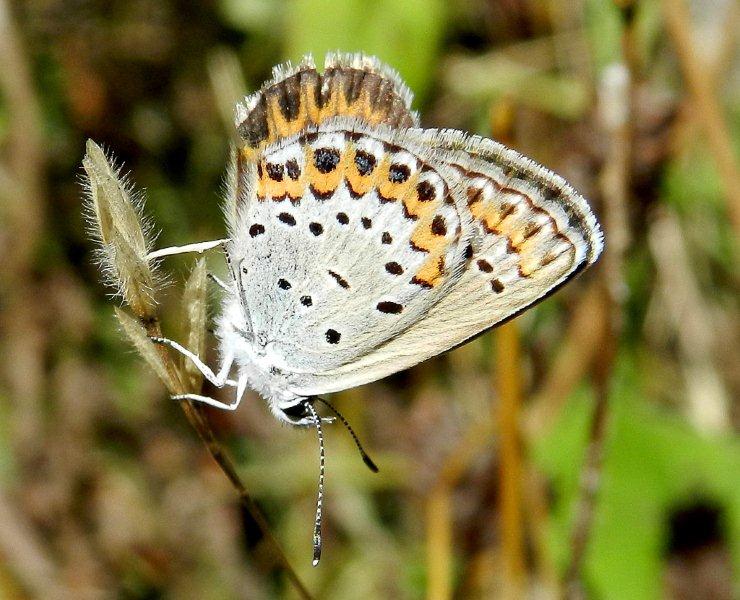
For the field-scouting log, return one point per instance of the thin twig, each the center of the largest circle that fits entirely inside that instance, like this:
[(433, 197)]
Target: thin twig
[(508, 386), (707, 106), (508, 383)]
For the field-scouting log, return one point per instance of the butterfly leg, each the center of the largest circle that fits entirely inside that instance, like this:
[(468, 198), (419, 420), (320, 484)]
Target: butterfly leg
[(219, 282), (241, 387), (199, 247), (219, 379)]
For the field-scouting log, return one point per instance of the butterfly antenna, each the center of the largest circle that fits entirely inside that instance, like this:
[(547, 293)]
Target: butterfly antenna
[(236, 275), (320, 497), (366, 459)]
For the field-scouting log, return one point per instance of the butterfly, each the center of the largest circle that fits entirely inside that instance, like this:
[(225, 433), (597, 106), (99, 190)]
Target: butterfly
[(360, 244)]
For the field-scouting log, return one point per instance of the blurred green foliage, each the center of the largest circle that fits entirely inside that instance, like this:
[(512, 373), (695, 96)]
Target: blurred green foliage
[(654, 464), (408, 37), (117, 492)]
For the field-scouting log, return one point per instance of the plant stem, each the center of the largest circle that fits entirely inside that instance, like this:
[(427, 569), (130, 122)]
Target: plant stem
[(197, 419), (707, 107)]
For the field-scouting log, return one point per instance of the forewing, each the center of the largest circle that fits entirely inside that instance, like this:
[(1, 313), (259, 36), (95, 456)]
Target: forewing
[(347, 236), (530, 233)]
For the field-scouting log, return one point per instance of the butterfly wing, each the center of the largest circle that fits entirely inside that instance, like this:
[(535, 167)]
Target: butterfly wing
[(530, 232), (370, 245)]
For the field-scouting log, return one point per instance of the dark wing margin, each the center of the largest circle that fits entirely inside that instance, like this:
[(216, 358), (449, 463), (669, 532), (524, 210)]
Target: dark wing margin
[(509, 171)]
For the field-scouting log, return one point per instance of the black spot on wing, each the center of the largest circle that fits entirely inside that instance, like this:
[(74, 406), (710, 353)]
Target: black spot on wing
[(333, 336), (364, 162), (275, 171), (294, 171), (316, 228), (439, 227), (392, 308), (398, 173), (326, 159), (425, 191), (339, 279), (484, 266), (393, 268)]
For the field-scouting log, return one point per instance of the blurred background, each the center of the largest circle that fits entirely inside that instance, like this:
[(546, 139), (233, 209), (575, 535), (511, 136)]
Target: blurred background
[(587, 449)]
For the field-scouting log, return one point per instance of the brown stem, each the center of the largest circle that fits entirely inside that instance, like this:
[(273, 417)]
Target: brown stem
[(197, 419), (707, 107), (439, 541), (590, 482), (509, 386), (23, 216)]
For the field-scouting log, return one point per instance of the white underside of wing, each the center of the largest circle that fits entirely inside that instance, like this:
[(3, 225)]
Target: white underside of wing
[(471, 307), (532, 232)]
